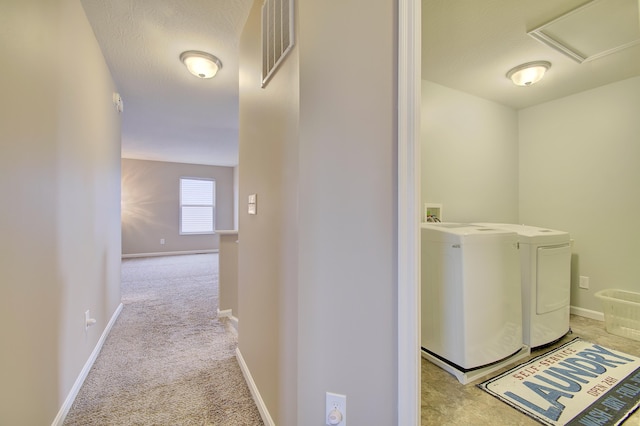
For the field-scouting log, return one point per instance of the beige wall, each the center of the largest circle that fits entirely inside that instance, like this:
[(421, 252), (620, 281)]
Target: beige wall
[(347, 202), (317, 270), (267, 256), (469, 156), (580, 171), (151, 206), (60, 219), (228, 274)]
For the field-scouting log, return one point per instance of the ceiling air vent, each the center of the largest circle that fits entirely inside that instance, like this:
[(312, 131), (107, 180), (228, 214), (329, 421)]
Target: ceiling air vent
[(277, 35), (596, 29)]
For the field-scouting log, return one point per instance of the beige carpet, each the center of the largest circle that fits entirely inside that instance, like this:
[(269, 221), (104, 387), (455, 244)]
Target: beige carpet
[(168, 359)]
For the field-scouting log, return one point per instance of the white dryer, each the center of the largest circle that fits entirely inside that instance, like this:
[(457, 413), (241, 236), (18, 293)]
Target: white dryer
[(471, 310), (545, 256)]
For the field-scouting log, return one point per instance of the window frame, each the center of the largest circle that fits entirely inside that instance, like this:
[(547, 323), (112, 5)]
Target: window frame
[(182, 205)]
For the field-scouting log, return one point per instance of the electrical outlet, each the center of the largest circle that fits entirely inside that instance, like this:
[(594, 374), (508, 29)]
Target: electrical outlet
[(88, 321), (584, 282), (336, 409), (161, 240)]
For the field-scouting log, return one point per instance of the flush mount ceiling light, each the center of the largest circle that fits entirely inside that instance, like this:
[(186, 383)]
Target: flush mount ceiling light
[(529, 73), (201, 64)]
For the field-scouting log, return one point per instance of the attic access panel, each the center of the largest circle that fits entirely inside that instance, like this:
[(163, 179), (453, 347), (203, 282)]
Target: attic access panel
[(593, 30)]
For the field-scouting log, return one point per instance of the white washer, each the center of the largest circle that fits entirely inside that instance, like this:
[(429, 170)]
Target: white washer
[(471, 292), (545, 256)]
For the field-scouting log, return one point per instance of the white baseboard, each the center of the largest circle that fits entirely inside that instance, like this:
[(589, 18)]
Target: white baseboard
[(224, 313), (587, 313), (234, 322), (168, 253), (228, 313), (68, 402), (262, 408)]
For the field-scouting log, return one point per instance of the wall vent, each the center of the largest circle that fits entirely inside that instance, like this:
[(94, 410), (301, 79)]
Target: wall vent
[(277, 35)]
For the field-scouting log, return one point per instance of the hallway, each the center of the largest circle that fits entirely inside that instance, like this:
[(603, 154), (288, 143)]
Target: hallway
[(168, 359)]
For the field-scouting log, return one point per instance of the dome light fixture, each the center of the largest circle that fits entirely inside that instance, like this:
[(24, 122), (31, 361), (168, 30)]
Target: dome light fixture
[(529, 73), (201, 64)]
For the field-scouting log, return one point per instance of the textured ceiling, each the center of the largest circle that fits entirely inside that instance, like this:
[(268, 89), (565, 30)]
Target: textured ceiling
[(170, 115), (469, 45)]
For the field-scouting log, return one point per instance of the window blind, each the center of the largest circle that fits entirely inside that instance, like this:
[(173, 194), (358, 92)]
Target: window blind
[(197, 205)]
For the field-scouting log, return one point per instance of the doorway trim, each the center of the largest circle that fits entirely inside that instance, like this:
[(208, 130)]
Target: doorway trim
[(409, 101)]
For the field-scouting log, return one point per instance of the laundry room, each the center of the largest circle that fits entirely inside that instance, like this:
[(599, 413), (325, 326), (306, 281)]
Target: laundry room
[(571, 164), (561, 153), (541, 179)]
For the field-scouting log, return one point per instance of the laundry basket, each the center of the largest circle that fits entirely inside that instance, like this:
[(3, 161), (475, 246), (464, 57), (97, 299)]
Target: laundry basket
[(621, 312)]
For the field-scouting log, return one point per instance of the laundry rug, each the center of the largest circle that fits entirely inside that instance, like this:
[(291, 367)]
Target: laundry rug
[(578, 383)]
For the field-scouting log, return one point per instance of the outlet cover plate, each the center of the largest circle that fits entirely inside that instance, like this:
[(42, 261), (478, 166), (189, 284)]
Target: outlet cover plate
[(338, 402), (584, 282)]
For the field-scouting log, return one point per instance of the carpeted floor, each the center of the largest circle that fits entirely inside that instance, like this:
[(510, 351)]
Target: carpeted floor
[(168, 359)]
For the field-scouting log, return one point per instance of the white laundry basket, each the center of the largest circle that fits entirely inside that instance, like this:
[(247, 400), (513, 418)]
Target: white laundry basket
[(621, 312)]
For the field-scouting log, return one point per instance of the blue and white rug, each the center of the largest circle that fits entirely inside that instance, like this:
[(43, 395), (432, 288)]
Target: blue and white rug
[(578, 383)]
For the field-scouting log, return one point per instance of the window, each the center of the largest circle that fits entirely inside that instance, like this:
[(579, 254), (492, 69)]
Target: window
[(197, 205)]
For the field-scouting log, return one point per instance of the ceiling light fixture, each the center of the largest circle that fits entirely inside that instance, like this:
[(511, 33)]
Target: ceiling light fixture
[(201, 64), (529, 73)]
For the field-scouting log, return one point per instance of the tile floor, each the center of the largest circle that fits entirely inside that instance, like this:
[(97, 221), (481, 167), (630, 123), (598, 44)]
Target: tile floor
[(447, 402)]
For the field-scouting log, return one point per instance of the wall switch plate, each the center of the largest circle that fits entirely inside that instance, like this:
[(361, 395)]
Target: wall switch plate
[(584, 282), (253, 204), (161, 240), (336, 409)]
